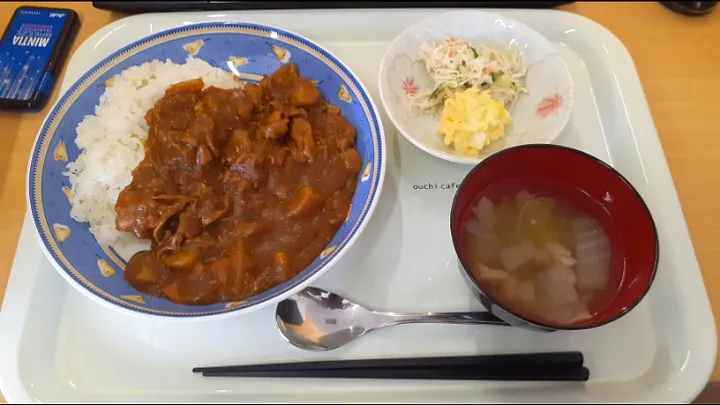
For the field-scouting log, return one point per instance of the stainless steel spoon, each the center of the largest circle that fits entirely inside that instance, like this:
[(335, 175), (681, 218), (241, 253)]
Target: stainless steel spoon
[(318, 320)]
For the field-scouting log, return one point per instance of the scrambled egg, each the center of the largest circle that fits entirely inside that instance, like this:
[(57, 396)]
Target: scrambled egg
[(472, 120)]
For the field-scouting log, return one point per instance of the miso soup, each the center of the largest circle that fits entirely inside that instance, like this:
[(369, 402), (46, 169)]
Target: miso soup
[(543, 250)]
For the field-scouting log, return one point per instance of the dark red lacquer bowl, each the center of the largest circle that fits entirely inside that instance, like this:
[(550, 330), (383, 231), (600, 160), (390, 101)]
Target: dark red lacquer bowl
[(613, 202)]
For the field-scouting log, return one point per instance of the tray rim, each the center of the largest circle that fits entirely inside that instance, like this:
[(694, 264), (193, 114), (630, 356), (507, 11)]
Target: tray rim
[(631, 93)]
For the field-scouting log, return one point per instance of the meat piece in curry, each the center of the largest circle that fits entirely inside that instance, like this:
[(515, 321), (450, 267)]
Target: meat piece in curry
[(239, 189)]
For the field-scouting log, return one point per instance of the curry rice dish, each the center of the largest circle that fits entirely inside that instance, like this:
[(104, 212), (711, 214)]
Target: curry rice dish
[(239, 189)]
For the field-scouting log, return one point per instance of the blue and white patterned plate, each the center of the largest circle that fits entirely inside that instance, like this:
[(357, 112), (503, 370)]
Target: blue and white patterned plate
[(97, 270)]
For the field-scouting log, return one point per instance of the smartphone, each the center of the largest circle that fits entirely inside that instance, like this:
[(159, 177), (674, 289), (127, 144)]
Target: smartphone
[(33, 50)]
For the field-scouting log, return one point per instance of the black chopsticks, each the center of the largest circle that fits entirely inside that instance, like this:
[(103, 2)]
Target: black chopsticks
[(554, 366)]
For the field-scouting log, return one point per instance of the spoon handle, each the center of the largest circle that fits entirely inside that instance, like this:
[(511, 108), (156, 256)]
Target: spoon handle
[(467, 318)]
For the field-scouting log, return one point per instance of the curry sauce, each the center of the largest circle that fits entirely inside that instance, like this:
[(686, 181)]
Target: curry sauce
[(239, 189)]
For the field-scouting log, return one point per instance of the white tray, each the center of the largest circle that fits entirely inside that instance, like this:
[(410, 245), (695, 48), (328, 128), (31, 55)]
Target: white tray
[(57, 346)]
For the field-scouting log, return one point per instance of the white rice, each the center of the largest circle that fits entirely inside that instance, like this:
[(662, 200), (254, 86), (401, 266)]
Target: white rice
[(111, 141)]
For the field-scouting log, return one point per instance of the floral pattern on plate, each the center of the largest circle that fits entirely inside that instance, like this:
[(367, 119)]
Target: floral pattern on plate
[(550, 105)]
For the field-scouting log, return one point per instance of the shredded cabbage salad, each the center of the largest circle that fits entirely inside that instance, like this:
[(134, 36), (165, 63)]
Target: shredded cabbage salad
[(456, 65)]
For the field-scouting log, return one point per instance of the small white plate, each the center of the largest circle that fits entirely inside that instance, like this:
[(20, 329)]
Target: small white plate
[(538, 116)]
